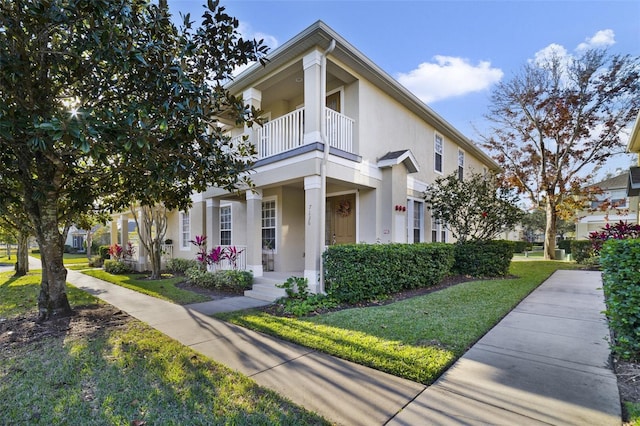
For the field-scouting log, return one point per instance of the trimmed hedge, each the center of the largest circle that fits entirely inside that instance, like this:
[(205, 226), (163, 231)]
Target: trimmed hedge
[(565, 245), (483, 258), (363, 272), (620, 260), (178, 265), (116, 267), (235, 281), (581, 250), (520, 246)]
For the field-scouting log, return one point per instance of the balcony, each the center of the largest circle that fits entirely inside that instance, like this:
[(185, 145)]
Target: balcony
[(287, 132)]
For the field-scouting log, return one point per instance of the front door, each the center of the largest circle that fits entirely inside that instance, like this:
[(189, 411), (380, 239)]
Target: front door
[(341, 220)]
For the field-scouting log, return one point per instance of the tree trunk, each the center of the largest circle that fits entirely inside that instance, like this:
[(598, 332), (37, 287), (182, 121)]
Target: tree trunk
[(550, 231), (155, 257), (22, 263), (52, 301)]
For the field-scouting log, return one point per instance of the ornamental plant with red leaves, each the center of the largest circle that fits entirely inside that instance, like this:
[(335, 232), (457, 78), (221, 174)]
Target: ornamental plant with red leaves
[(619, 231)]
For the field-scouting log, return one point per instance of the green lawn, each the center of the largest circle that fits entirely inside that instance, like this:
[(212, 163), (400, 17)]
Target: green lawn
[(163, 289), (416, 338), (130, 374), (69, 258)]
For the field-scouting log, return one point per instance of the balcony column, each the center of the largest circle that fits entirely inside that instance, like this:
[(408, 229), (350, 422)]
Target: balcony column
[(252, 97), (213, 222), (313, 98), (313, 238), (254, 232)]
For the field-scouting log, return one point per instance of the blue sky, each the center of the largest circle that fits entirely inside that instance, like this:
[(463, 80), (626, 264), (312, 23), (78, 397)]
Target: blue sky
[(449, 53)]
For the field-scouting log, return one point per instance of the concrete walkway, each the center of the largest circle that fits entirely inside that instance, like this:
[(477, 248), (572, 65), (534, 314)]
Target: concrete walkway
[(547, 362)]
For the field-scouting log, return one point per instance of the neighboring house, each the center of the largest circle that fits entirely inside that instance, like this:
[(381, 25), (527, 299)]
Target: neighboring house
[(611, 206), (76, 238), (633, 186), (344, 157)]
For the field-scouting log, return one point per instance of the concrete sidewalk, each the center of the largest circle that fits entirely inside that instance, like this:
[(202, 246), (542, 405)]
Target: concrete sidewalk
[(545, 363)]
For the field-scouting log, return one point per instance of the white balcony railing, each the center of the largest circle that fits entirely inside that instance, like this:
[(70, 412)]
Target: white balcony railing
[(287, 132), (239, 263)]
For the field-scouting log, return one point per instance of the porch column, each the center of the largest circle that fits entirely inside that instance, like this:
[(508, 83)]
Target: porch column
[(124, 230), (254, 232), (213, 222), (313, 240), (313, 99), (114, 230)]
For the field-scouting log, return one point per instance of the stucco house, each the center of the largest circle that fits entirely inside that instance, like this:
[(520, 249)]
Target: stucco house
[(344, 157), (633, 186), (611, 206)]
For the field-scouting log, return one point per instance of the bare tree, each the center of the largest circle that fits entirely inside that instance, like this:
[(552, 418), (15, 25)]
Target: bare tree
[(557, 121)]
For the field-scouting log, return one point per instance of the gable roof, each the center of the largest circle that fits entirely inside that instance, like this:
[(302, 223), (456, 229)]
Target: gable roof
[(616, 182), (320, 34), (396, 157)]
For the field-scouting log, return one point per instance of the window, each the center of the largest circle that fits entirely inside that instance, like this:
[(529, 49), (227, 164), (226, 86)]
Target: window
[(269, 224), (438, 154), (225, 225), (185, 231), (78, 242), (417, 222), (460, 165), (438, 231)]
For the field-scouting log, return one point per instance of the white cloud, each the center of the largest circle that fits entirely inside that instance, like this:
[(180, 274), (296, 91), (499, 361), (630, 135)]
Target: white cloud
[(553, 50), (448, 77), (602, 38)]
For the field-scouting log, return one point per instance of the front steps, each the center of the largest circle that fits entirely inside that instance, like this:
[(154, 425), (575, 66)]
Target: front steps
[(265, 289)]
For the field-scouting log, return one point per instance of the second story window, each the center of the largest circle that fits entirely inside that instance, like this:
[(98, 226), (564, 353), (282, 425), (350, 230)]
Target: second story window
[(460, 165), (437, 147), (225, 225)]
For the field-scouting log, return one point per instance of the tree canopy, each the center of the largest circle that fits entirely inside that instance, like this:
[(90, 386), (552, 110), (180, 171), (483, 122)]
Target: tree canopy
[(557, 121), (107, 101)]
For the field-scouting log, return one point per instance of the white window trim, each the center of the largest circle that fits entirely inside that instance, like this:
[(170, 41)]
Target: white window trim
[(461, 152), (266, 200), (184, 245), (230, 222), (435, 138), (410, 211), (439, 228)]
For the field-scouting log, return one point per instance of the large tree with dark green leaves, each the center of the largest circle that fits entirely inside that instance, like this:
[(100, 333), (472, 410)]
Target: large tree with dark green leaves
[(557, 121), (103, 102)]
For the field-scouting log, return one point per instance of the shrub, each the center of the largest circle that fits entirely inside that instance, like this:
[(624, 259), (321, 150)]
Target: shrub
[(483, 258), (178, 265), (620, 260), (116, 267), (565, 245), (520, 246), (234, 280), (581, 250), (299, 302), (103, 251), (35, 251), (363, 272), (231, 280), (201, 278), (96, 261)]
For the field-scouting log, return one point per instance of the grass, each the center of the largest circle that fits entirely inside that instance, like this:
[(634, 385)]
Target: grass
[(130, 374), (68, 258), (20, 295), (633, 413), (416, 338), (163, 289)]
